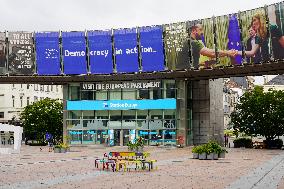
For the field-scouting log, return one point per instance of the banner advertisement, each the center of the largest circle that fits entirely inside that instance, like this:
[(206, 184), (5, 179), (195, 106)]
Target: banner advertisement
[(21, 55), (47, 53), (276, 30), (255, 36), (126, 52), (176, 46), (100, 52), (202, 45), (2, 53), (228, 40), (74, 53), (121, 104), (152, 49)]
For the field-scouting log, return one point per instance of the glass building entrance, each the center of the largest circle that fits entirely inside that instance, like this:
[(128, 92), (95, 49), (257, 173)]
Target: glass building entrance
[(115, 117)]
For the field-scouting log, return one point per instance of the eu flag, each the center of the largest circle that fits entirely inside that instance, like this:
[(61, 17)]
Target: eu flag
[(234, 37)]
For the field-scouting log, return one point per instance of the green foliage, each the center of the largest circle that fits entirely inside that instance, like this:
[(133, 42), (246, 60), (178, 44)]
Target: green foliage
[(136, 144), (208, 148), (260, 113), (44, 116), (243, 142)]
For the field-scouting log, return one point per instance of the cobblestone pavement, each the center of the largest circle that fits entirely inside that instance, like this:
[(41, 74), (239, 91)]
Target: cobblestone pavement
[(242, 168)]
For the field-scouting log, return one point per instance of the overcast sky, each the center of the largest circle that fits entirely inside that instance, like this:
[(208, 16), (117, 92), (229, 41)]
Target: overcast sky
[(77, 15)]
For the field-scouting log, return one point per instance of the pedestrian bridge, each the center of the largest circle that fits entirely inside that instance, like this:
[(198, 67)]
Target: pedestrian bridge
[(247, 43)]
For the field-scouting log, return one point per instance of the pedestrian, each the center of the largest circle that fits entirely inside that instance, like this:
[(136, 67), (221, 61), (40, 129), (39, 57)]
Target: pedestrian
[(226, 137), (50, 145)]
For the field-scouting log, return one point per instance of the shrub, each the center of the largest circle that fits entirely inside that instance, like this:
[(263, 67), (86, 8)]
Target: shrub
[(243, 142), (276, 143), (38, 144)]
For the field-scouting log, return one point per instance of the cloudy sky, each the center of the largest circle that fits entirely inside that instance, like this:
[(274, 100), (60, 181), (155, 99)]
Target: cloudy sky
[(76, 15)]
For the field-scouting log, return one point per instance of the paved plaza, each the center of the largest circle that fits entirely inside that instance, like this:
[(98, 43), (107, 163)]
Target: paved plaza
[(242, 168)]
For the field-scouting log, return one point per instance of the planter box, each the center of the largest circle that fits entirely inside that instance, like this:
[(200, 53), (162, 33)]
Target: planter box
[(202, 156), (215, 156), (221, 155), (210, 156), (63, 150), (195, 155), (57, 150)]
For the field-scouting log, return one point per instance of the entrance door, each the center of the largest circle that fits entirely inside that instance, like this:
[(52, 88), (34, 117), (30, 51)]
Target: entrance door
[(126, 135), (116, 137)]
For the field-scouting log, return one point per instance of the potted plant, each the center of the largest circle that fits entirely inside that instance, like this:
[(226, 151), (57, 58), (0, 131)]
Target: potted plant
[(202, 153), (63, 148), (196, 150), (57, 149), (209, 151), (137, 145), (222, 153)]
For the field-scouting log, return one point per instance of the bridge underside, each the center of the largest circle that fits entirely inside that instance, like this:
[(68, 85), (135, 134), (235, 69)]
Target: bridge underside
[(246, 70)]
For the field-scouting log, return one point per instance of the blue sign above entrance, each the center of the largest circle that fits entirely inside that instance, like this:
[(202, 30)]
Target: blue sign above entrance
[(121, 104)]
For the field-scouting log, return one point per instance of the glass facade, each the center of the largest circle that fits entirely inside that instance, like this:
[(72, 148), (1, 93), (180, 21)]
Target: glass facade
[(118, 127)]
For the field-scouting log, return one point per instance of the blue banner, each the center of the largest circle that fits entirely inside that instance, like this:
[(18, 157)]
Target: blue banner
[(100, 52), (47, 53), (122, 104), (234, 38), (126, 52), (152, 50), (74, 52)]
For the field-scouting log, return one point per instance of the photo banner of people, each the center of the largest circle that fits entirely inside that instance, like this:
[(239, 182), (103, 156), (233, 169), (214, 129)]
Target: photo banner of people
[(228, 40), (255, 36), (203, 55), (21, 55), (2, 53), (276, 30), (74, 52), (176, 46)]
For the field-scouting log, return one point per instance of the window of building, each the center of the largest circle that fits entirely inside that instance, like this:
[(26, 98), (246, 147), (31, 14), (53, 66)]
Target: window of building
[(36, 87), (41, 87), (128, 94), (1, 114), (28, 86), (28, 101), (35, 98), (143, 94), (21, 101), (74, 92), (51, 87), (115, 95), (13, 101), (56, 88), (101, 95), (47, 88)]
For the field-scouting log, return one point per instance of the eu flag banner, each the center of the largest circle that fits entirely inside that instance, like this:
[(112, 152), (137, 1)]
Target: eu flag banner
[(152, 50), (100, 52), (126, 52), (2, 53), (47, 53), (234, 38), (21, 55), (74, 53)]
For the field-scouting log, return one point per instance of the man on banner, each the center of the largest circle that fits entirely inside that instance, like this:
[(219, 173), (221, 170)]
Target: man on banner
[(202, 55)]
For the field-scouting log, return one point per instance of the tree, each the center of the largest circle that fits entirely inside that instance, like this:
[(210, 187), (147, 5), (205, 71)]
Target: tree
[(44, 116), (260, 113)]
